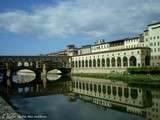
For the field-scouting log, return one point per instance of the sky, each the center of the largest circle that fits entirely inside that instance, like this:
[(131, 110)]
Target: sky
[(32, 27)]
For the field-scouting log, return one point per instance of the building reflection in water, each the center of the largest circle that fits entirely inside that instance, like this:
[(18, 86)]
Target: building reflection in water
[(143, 100), (118, 95)]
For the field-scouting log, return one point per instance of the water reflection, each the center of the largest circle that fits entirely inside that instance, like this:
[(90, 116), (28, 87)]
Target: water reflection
[(118, 95), (52, 76), (24, 76), (111, 97), (1, 77)]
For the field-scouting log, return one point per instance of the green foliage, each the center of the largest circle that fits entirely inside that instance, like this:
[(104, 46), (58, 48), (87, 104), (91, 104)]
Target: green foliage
[(129, 78), (144, 70)]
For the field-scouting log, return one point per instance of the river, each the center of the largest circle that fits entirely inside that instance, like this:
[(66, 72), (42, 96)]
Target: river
[(81, 98)]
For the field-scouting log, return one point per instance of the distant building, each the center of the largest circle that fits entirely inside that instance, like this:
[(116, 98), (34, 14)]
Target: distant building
[(140, 50), (71, 50)]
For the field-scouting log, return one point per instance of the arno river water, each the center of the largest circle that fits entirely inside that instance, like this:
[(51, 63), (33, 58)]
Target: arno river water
[(80, 98)]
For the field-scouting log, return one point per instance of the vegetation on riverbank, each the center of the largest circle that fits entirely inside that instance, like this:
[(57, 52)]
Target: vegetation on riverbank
[(144, 70), (130, 78)]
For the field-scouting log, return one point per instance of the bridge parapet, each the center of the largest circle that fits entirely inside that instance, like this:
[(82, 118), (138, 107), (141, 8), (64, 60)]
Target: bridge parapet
[(38, 64), (35, 61)]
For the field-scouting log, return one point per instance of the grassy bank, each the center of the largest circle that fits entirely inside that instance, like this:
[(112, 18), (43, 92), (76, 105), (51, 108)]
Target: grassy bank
[(130, 78)]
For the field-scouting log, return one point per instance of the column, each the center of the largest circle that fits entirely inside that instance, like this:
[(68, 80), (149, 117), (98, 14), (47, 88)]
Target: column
[(110, 62), (128, 62), (122, 62), (116, 62), (44, 72), (37, 64)]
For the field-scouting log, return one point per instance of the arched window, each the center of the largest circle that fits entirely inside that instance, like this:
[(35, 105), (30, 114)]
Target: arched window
[(76, 64), (126, 92), (82, 63), (113, 61), (19, 63), (79, 63), (87, 87), (147, 60), (125, 61), (94, 63), (80, 86), (134, 93), (119, 91), (76, 84), (90, 63), (91, 87), (108, 62), (98, 62), (133, 61), (109, 90), (72, 64), (104, 89), (119, 62), (103, 62), (95, 88), (26, 64), (83, 86), (114, 90), (86, 62), (99, 88)]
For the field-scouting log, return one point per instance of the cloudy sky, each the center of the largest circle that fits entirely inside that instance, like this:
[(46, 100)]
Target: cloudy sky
[(42, 26)]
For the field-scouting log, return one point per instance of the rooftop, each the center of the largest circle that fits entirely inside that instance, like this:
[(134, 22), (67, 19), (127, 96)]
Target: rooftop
[(154, 23)]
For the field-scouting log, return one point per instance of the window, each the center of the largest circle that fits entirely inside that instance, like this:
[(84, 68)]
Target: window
[(154, 37)]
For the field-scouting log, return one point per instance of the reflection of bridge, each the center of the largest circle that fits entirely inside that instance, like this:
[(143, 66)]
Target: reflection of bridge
[(113, 94), (9, 65)]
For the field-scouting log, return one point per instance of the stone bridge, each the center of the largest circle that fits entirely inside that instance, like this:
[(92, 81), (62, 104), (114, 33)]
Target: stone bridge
[(9, 65)]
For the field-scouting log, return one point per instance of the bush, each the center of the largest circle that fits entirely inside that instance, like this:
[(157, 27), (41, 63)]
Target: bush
[(143, 70)]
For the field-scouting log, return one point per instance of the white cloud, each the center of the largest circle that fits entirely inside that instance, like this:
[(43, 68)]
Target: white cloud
[(82, 18)]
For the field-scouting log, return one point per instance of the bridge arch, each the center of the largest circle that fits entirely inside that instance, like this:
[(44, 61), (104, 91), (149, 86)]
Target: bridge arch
[(24, 76)]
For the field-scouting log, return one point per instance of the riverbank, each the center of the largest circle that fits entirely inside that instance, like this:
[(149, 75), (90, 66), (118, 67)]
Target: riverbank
[(7, 112), (129, 78)]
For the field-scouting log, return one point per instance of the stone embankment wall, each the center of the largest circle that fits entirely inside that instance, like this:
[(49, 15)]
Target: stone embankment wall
[(7, 112), (98, 70)]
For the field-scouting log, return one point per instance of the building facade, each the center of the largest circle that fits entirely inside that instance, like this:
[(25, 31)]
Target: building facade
[(137, 51)]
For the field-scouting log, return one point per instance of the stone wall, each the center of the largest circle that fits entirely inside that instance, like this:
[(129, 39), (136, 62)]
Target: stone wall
[(98, 70)]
